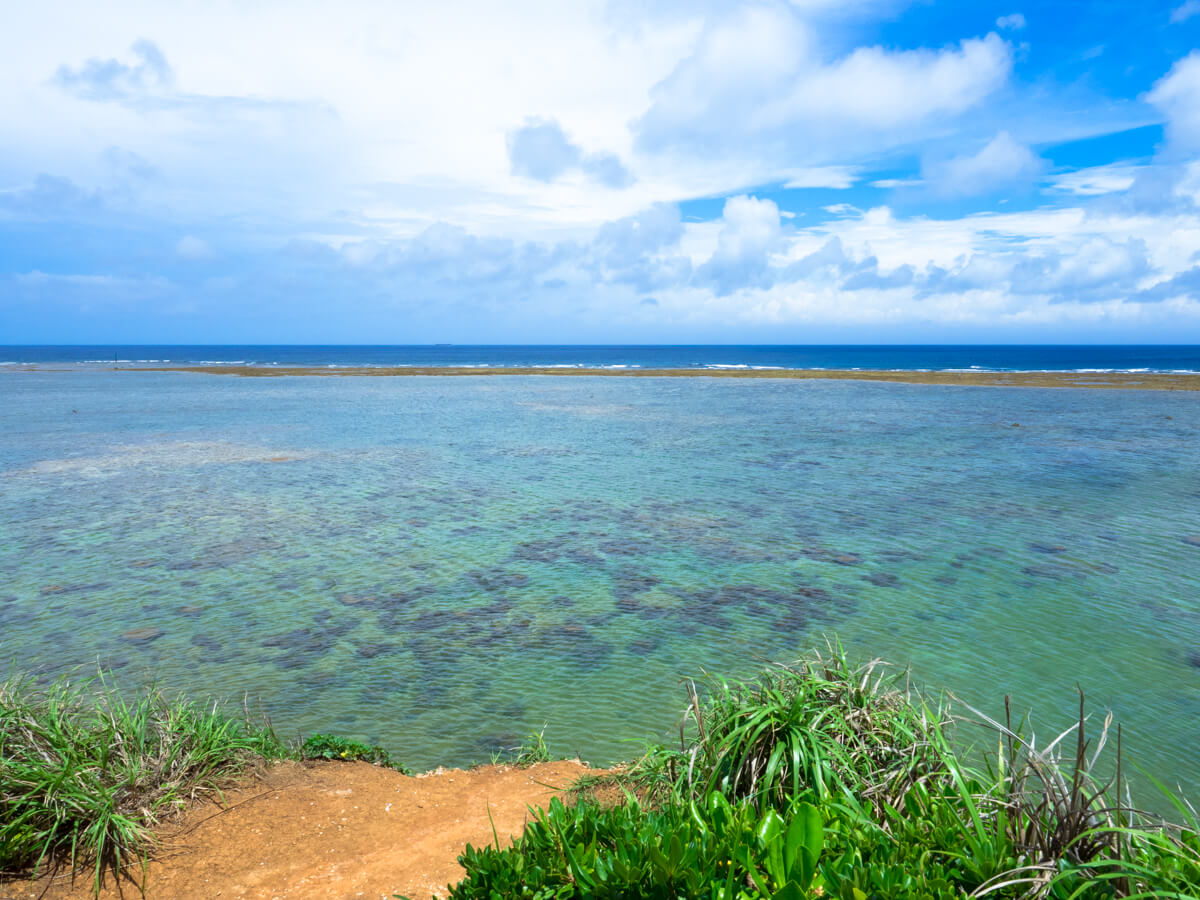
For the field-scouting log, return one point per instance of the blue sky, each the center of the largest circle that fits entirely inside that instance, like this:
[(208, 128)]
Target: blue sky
[(593, 172)]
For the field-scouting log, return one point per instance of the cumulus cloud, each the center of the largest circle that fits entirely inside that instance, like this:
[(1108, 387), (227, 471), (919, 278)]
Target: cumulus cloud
[(402, 207), (1177, 94), (1012, 22), (750, 233), (111, 79), (1185, 285), (1098, 268), (646, 232), (1002, 163), (869, 277), (750, 228), (756, 82), (642, 250), (986, 270), (541, 150)]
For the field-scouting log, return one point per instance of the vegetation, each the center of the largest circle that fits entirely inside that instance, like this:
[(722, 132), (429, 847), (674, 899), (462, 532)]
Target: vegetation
[(85, 774), (531, 751), (330, 746), (827, 779), (820, 779)]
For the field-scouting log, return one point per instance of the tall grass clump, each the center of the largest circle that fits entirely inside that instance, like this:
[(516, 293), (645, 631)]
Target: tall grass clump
[(818, 728), (826, 778), (85, 773)]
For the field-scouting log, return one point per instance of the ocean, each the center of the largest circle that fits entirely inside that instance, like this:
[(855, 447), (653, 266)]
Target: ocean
[(1037, 358), (445, 565)]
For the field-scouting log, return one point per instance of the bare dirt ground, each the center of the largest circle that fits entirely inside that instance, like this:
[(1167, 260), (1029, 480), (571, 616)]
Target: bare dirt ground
[(323, 830)]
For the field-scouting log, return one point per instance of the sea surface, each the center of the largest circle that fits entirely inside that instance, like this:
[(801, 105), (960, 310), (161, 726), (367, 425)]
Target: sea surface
[(1036, 358), (445, 565)]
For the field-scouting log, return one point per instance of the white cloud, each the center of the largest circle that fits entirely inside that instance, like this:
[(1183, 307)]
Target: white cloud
[(1185, 11), (750, 228), (388, 158), (877, 89), (110, 79), (837, 177), (1013, 22), (1177, 94), (758, 77), (750, 233), (1003, 163), (1097, 180), (192, 247), (540, 150), (889, 183)]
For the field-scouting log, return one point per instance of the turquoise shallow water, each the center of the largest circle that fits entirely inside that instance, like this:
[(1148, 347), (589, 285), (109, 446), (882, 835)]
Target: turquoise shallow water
[(443, 565)]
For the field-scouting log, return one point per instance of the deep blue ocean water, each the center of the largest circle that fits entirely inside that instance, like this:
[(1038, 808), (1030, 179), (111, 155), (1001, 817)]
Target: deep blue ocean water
[(1015, 358), (443, 565)]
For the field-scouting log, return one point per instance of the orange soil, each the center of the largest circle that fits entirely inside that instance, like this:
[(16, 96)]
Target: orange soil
[(322, 830)]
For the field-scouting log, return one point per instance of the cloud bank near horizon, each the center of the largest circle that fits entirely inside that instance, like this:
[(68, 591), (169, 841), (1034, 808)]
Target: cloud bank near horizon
[(600, 172)]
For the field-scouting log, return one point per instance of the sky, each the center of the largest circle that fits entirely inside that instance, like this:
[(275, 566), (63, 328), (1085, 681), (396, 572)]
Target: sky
[(600, 171)]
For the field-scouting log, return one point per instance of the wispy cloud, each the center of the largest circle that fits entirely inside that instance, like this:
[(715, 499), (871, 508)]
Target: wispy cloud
[(110, 79), (1097, 180), (1185, 11)]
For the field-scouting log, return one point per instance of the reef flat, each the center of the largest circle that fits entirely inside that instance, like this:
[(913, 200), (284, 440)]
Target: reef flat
[(1144, 381)]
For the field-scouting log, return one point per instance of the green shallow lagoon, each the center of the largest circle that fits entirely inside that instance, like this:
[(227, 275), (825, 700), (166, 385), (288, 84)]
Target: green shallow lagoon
[(442, 565)]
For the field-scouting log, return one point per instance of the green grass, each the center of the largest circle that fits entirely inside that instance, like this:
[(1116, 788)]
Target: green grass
[(826, 778), (530, 752), (821, 778), (333, 747), (85, 774)]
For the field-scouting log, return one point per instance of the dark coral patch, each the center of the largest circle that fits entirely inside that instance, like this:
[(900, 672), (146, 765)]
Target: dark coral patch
[(644, 646), (1038, 547), (625, 547), (494, 580), (302, 643), (143, 635), (882, 579), (374, 649), (204, 642)]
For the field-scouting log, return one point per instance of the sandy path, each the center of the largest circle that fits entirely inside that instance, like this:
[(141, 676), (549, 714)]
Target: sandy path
[(331, 830)]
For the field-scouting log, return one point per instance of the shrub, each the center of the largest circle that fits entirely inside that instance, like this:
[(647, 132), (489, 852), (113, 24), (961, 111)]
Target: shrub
[(330, 746), (85, 773), (824, 747)]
